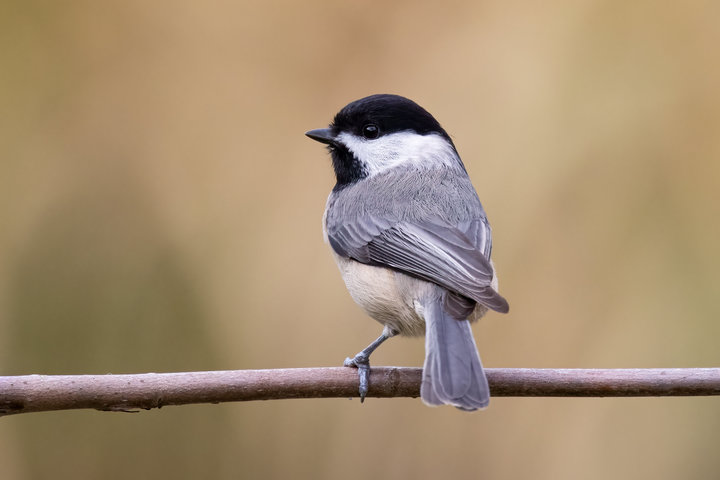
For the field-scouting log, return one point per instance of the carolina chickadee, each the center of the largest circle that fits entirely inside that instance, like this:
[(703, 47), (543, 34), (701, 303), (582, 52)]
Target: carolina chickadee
[(411, 240)]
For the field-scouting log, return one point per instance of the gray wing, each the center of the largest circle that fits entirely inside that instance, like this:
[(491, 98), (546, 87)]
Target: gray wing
[(454, 256)]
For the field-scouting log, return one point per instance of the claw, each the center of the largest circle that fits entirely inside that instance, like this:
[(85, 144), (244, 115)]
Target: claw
[(362, 363)]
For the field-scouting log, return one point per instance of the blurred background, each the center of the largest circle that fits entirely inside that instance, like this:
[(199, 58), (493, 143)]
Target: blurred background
[(160, 211)]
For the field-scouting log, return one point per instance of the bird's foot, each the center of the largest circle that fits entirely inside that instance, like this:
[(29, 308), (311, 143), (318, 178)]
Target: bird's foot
[(361, 361)]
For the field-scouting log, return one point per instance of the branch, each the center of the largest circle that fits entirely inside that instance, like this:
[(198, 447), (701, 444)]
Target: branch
[(39, 393)]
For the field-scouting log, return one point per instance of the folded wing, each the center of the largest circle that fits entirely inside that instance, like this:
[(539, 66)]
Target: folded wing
[(454, 256)]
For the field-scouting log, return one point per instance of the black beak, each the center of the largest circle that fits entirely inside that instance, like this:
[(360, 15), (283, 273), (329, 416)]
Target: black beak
[(322, 135)]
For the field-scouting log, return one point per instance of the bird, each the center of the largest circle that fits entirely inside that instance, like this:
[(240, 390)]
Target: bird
[(411, 240)]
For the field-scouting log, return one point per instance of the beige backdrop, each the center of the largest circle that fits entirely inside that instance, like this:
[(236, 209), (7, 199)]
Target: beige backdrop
[(160, 211)]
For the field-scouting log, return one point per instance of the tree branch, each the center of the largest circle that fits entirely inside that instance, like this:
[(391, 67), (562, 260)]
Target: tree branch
[(39, 393)]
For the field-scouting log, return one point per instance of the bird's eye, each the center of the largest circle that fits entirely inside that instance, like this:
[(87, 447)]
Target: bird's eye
[(370, 131)]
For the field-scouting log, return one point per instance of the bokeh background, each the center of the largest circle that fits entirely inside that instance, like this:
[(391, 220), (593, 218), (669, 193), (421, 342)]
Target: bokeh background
[(160, 211)]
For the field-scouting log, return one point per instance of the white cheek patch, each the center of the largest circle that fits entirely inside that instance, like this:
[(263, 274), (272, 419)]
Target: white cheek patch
[(409, 148)]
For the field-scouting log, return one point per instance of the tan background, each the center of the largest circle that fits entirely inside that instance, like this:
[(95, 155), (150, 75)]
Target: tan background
[(160, 211)]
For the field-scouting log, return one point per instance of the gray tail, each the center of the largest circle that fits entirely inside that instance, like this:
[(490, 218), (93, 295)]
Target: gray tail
[(452, 374)]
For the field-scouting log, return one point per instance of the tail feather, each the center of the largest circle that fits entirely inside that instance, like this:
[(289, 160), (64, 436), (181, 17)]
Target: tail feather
[(453, 373)]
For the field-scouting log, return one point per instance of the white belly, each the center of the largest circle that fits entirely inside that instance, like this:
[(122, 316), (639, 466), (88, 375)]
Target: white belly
[(387, 296)]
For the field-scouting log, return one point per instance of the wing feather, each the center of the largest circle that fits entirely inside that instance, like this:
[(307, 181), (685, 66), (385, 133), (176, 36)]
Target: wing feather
[(455, 257)]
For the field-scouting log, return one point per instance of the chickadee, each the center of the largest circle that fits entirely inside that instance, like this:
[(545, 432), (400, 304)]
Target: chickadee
[(411, 240)]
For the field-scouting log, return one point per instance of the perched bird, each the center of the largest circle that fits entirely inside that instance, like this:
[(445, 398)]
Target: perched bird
[(411, 240)]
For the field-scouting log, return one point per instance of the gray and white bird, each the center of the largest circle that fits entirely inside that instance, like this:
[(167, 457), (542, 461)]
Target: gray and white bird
[(411, 240)]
